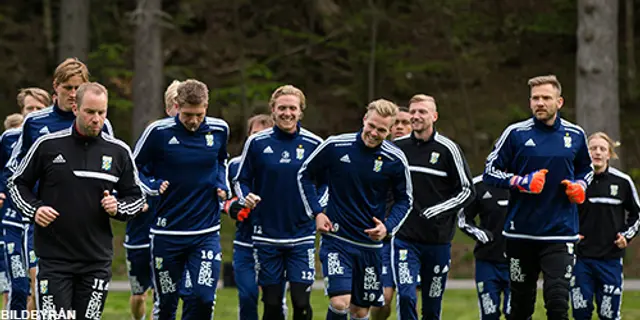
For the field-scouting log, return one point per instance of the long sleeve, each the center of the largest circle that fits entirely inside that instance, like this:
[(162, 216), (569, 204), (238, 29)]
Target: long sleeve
[(312, 170), (465, 189), (632, 206), (131, 198), (496, 167), (144, 155), (4, 158), (582, 164), (467, 223), (21, 184), (222, 179), (243, 181), (402, 197)]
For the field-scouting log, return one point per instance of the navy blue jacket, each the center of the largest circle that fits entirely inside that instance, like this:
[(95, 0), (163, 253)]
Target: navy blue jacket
[(359, 179), (531, 145)]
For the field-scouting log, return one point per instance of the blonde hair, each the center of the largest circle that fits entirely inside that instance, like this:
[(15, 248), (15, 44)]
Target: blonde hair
[(423, 98), (192, 92), (548, 79), (92, 87), (382, 107), (612, 144), (288, 90), (41, 95), (171, 94), (69, 68), (264, 120), (13, 121)]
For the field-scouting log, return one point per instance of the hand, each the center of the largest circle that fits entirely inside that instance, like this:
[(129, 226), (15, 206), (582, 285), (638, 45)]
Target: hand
[(575, 191), (163, 186), (145, 207), (323, 224), (251, 201), (531, 183), (222, 194), (109, 203), (2, 198), (45, 215), (621, 241), (580, 237), (379, 232)]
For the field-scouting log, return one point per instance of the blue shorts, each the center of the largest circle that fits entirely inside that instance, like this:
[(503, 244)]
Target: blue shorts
[(139, 270), (387, 275), (352, 269), (492, 282), (599, 279), (4, 278), (33, 260), (277, 264)]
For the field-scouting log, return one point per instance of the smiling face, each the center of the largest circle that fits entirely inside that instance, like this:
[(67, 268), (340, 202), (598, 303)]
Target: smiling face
[(286, 112), (375, 128), (423, 115)]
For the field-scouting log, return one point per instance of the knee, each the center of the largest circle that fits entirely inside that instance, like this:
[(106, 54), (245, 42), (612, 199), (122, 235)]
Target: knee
[(272, 295), (340, 303), (137, 300), (300, 296), (388, 296)]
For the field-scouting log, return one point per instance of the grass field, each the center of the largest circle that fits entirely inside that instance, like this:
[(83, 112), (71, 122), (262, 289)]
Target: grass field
[(458, 305)]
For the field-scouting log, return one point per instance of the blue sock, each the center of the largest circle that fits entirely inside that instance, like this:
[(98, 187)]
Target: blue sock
[(333, 314)]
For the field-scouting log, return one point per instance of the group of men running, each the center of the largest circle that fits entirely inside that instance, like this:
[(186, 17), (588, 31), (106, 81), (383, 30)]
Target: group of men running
[(386, 200)]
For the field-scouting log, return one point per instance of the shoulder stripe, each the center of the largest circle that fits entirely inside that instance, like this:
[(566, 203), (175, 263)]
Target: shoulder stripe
[(489, 169), (310, 134), (477, 179)]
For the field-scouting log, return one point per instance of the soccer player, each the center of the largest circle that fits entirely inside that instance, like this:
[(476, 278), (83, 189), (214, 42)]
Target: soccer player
[(183, 160), (545, 163), (609, 219), (73, 239), (442, 186), (402, 125), (283, 235), (13, 121), (244, 265), (136, 241), (18, 258), (492, 269), (361, 168)]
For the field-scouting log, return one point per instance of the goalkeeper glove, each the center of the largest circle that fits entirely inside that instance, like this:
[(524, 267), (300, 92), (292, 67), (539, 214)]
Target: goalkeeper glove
[(531, 183), (575, 190)]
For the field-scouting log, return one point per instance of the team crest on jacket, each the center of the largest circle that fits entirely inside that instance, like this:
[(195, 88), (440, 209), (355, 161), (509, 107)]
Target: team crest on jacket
[(567, 140), (10, 247), (299, 152), (209, 138), (106, 163), (613, 189), (434, 157), (377, 165)]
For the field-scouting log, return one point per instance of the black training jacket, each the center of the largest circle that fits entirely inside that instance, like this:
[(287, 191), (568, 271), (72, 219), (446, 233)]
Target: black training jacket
[(72, 172)]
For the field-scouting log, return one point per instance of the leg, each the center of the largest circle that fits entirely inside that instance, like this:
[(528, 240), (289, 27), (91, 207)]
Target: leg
[(405, 266), (139, 272), (204, 261), (366, 287), (55, 286), (31, 263), (523, 272), (609, 294), (337, 272), (168, 259), (15, 258), (488, 285), (301, 272), (4, 280), (435, 263), (503, 284), (582, 290), (245, 276), (382, 313), (556, 262), (91, 286), (270, 278)]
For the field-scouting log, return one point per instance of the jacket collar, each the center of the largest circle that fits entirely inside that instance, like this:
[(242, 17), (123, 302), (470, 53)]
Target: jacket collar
[(541, 125), (79, 136), (62, 113), (431, 138), (283, 135)]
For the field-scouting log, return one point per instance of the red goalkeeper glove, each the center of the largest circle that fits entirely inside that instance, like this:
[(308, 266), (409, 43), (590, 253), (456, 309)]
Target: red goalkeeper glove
[(575, 191), (531, 183), (243, 214)]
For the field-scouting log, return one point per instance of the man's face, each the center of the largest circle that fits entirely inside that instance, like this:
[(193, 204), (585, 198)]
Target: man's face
[(286, 112), (31, 104), (402, 126), (257, 127), (66, 92), (91, 115), (545, 102), (423, 115), (192, 116), (599, 151), (375, 128)]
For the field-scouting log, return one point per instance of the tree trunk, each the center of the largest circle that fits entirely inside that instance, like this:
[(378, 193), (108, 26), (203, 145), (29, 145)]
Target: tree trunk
[(630, 48), (597, 101), (47, 26), (371, 89), (148, 64), (74, 30)]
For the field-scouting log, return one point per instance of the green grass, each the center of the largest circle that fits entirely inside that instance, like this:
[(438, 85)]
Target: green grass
[(458, 304)]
